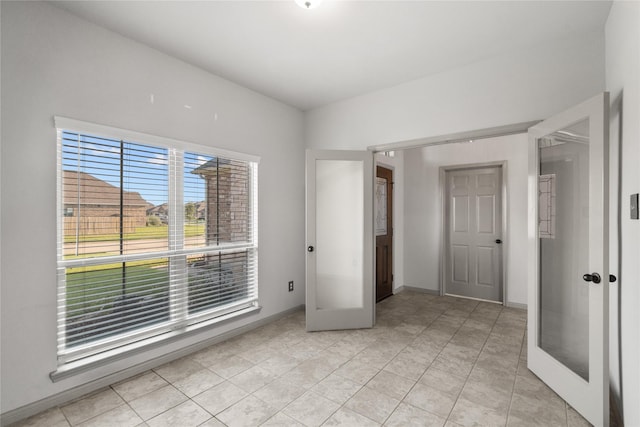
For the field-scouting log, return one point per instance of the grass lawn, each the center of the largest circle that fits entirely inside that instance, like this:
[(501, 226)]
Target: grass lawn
[(157, 232), (89, 288), (111, 299)]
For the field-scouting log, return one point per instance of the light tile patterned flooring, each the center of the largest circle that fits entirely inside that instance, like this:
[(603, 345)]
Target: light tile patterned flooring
[(430, 361)]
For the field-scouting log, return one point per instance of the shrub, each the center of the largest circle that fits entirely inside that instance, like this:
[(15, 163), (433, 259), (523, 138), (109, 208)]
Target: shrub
[(153, 221)]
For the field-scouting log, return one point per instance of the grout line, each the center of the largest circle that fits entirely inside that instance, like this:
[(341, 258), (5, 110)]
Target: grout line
[(385, 332), (513, 387), (65, 416), (474, 363), (431, 363)]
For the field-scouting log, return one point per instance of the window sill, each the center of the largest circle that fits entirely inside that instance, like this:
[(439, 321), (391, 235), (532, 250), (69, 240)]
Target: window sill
[(77, 367)]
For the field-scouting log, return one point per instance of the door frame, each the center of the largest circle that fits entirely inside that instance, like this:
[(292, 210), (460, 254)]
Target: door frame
[(504, 226)]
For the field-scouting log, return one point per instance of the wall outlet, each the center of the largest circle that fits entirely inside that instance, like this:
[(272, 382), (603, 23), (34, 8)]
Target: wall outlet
[(291, 286)]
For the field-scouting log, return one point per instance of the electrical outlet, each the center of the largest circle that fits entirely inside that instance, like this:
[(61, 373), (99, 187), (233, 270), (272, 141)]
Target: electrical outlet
[(291, 286)]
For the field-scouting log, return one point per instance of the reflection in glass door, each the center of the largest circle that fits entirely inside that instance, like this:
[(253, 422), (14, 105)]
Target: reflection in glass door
[(563, 224)]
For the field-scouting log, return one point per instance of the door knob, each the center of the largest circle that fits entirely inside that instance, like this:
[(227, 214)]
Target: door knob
[(612, 278), (310, 249), (498, 241), (593, 277)]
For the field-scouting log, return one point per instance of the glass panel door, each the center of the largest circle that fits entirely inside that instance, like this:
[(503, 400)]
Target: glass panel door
[(339, 203), (568, 294)]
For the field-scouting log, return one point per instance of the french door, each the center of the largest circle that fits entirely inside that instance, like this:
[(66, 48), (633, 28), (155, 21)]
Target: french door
[(568, 343), (339, 231)]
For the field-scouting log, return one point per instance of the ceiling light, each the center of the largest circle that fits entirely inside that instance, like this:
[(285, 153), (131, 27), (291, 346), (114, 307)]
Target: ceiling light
[(308, 4)]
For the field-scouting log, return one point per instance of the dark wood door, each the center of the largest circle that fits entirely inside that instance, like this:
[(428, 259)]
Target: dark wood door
[(384, 232)]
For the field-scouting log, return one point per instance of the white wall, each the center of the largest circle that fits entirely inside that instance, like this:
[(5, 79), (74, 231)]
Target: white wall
[(623, 83), (526, 85), (56, 64), (423, 208)]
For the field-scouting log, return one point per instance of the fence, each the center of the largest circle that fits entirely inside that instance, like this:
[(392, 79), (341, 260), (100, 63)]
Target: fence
[(96, 225)]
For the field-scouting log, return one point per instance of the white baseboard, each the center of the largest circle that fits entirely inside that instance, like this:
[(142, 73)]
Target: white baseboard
[(436, 292), (61, 398), (416, 289), (516, 305)]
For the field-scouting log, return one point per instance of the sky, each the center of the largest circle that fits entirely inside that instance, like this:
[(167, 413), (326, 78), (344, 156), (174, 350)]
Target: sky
[(145, 168)]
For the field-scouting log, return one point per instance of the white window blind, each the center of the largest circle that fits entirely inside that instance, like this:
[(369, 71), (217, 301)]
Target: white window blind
[(152, 239)]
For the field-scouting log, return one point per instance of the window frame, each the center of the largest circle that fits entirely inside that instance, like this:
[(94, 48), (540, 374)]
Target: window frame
[(107, 348)]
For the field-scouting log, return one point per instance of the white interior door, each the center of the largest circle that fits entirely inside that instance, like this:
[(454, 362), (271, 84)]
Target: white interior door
[(568, 343), (473, 210), (340, 252)]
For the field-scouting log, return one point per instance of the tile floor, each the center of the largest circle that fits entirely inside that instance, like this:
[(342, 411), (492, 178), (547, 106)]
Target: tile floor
[(430, 361)]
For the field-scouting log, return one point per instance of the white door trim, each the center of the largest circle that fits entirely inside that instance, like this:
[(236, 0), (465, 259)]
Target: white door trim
[(505, 220), (467, 136)]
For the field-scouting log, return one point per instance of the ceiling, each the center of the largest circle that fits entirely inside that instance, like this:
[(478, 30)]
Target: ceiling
[(310, 58)]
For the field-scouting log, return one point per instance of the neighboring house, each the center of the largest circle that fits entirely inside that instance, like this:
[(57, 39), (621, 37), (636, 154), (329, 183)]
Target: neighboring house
[(97, 204), (227, 200), (162, 211), (159, 210)]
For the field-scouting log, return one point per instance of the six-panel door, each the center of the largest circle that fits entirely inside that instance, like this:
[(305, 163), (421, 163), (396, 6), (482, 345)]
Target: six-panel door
[(473, 209)]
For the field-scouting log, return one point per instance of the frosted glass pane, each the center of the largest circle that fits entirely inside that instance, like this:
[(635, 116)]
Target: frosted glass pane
[(563, 214), (339, 228)]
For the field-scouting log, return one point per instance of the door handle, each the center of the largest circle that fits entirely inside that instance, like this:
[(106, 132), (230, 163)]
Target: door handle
[(498, 241), (310, 249), (612, 278), (593, 277)]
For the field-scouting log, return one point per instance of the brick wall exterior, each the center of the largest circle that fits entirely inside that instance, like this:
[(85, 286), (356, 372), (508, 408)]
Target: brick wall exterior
[(227, 206)]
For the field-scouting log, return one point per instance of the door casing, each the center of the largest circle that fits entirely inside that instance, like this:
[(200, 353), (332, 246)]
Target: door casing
[(443, 238)]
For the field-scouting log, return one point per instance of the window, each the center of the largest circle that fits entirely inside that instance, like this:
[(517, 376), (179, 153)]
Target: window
[(155, 237)]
